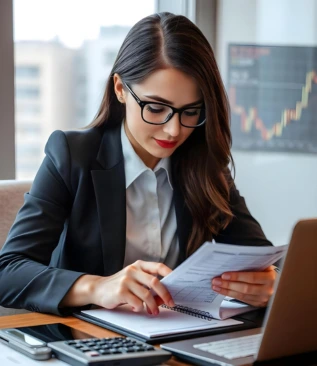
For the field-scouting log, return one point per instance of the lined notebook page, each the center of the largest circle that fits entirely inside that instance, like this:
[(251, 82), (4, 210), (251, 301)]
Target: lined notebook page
[(167, 322)]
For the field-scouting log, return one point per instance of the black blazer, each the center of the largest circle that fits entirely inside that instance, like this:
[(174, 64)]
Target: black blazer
[(73, 221)]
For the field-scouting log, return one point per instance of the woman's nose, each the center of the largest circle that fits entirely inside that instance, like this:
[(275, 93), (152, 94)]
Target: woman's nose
[(173, 126)]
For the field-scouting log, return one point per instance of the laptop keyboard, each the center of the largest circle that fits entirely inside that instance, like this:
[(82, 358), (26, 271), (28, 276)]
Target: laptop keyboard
[(233, 348)]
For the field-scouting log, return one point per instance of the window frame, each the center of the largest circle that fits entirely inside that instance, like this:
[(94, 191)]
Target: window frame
[(7, 135)]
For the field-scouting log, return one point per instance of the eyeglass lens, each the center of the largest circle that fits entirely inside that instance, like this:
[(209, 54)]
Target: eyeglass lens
[(158, 114)]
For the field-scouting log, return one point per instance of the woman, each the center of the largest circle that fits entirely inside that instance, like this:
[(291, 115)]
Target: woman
[(126, 200)]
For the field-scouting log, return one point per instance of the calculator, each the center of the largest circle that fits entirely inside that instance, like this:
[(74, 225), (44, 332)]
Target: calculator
[(117, 351)]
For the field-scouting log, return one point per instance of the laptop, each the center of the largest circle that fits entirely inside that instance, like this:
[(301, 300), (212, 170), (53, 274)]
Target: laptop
[(290, 326)]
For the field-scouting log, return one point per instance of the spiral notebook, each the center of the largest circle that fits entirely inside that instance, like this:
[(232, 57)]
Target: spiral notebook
[(199, 310), (156, 328)]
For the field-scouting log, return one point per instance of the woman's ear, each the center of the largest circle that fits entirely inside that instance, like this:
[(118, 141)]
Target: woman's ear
[(118, 88)]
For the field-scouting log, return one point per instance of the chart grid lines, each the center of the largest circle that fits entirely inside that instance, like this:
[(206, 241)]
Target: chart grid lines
[(273, 97)]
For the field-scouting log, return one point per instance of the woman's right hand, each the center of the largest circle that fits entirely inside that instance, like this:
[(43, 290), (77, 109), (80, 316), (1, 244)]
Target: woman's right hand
[(132, 286)]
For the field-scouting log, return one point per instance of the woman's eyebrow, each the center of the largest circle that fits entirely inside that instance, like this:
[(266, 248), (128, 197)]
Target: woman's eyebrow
[(162, 100)]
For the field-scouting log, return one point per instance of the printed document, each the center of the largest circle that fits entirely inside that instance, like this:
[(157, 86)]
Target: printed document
[(190, 283)]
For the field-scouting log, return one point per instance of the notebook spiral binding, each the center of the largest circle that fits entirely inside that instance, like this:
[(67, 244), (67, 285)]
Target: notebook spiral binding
[(190, 311)]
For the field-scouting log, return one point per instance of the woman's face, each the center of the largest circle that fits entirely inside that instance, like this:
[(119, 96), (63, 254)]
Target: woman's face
[(170, 86)]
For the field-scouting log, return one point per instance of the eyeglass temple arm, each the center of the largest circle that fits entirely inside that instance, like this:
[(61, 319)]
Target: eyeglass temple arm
[(132, 93)]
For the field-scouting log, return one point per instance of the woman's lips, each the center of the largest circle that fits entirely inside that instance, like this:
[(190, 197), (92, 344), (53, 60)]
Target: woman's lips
[(166, 144)]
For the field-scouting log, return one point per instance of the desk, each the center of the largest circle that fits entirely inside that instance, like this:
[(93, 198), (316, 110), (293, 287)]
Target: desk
[(24, 320)]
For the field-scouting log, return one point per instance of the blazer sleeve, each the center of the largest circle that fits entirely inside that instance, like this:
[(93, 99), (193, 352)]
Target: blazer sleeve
[(26, 279), (243, 228)]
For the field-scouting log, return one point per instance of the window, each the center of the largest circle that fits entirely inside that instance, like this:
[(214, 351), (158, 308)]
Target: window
[(31, 130), (29, 72), (27, 92), (27, 109), (64, 51)]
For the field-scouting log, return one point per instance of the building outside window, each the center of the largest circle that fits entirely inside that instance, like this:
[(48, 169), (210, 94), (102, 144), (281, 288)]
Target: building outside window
[(64, 51)]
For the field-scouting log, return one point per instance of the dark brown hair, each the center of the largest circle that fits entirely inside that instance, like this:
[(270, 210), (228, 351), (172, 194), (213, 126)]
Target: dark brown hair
[(201, 162)]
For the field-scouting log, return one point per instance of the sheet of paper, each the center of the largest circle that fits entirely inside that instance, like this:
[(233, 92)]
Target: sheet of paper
[(10, 357), (167, 322), (190, 283)]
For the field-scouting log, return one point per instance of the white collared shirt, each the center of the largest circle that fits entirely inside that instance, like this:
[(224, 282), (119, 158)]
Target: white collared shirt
[(151, 220)]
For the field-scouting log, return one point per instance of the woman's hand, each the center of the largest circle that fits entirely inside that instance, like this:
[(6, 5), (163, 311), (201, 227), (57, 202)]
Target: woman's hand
[(254, 288), (131, 286)]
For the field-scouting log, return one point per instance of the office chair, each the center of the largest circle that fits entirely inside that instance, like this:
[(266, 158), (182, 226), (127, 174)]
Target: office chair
[(11, 199)]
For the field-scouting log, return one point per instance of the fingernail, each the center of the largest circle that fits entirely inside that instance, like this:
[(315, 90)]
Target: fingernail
[(226, 276), (217, 282), (156, 312), (171, 303), (215, 288)]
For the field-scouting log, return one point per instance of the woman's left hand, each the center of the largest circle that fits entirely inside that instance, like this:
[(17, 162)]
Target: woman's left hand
[(254, 288)]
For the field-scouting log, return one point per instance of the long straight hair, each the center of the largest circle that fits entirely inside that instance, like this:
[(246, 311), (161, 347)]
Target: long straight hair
[(201, 163)]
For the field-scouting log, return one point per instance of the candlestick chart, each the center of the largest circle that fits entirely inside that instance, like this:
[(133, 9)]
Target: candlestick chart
[(273, 97)]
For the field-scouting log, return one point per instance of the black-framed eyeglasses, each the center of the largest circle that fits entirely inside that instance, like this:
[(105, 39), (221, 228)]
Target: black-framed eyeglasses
[(157, 113)]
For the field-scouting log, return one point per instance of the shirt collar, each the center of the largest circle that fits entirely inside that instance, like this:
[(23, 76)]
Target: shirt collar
[(134, 166)]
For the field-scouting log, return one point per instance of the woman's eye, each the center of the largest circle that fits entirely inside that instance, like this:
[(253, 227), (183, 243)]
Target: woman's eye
[(191, 112), (154, 109)]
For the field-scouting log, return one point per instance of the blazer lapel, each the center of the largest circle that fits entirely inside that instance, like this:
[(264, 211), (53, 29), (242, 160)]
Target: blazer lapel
[(109, 185)]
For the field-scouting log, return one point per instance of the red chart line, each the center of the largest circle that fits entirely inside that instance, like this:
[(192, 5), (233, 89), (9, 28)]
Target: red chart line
[(251, 117)]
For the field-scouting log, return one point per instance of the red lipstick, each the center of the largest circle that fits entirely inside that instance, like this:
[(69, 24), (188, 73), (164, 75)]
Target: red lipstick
[(166, 144)]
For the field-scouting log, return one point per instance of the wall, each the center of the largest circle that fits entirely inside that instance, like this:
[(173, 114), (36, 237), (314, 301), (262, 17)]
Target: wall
[(7, 151), (279, 188)]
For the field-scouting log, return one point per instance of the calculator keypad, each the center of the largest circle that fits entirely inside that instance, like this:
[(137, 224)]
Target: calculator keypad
[(105, 346)]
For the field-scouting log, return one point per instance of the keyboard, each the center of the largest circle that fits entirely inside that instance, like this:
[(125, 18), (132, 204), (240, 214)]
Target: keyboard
[(108, 351), (233, 348)]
